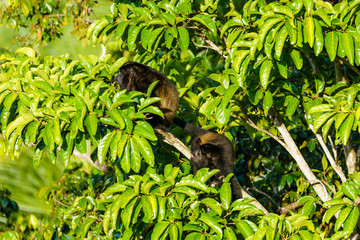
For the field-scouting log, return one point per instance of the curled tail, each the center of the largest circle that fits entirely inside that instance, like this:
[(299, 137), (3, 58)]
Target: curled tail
[(188, 127)]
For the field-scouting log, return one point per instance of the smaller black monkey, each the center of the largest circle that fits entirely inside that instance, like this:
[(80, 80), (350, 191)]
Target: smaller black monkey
[(214, 151), (135, 76)]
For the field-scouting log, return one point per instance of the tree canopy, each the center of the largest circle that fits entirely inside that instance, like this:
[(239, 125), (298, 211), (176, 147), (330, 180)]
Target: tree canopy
[(280, 79)]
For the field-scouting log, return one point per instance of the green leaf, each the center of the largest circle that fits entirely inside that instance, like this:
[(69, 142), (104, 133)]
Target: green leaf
[(185, 190), (135, 156), (145, 35), (133, 33), (322, 119), (86, 225), (120, 202), (347, 43), (309, 30), (319, 38), (265, 71), (322, 108), (145, 149), (213, 204), (147, 102), (115, 188), (145, 130), (26, 51), (117, 116), (184, 38), (280, 41), (238, 58), (309, 5), (323, 15), (265, 28), (344, 213), (229, 233), (174, 231), (207, 21), (159, 229), (211, 222), (292, 105), (225, 195), (332, 202), (244, 227), (346, 127), (126, 214), (128, 122), (349, 190), (38, 153), (352, 219), (267, 101), (150, 207), (19, 124), (297, 58), (154, 36), (104, 145), (341, 235), (125, 159), (331, 44), (330, 213), (193, 183), (91, 123)]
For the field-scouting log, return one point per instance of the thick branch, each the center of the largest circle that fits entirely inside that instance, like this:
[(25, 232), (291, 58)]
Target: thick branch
[(350, 156), (173, 141), (298, 157), (339, 71), (290, 206), (87, 157)]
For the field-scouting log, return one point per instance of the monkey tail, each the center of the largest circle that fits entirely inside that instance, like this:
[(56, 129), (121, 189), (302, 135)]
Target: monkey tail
[(188, 127)]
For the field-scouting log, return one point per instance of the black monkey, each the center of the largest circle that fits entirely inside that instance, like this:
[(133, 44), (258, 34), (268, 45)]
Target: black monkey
[(135, 76), (214, 151)]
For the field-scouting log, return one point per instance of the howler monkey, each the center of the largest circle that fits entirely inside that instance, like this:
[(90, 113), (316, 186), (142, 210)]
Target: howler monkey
[(214, 151), (135, 76)]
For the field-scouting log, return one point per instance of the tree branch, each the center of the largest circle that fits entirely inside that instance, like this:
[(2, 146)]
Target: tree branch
[(253, 125), (332, 161), (298, 157)]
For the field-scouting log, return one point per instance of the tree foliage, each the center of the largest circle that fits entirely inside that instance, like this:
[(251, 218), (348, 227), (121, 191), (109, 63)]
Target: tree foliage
[(279, 79)]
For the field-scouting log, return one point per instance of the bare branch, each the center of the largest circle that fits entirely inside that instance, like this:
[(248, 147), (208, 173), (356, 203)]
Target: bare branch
[(298, 157), (333, 148), (170, 139), (253, 125), (332, 161), (290, 206), (87, 158)]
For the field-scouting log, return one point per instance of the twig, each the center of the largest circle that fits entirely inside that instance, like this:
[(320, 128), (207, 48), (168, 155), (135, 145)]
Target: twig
[(262, 193), (332, 161), (212, 46), (253, 125), (60, 203), (333, 148)]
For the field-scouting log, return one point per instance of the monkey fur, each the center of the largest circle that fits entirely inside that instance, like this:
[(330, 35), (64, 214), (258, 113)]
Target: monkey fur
[(214, 151), (135, 76)]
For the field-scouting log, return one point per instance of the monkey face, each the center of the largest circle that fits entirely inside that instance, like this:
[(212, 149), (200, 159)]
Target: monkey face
[(121, 80)]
